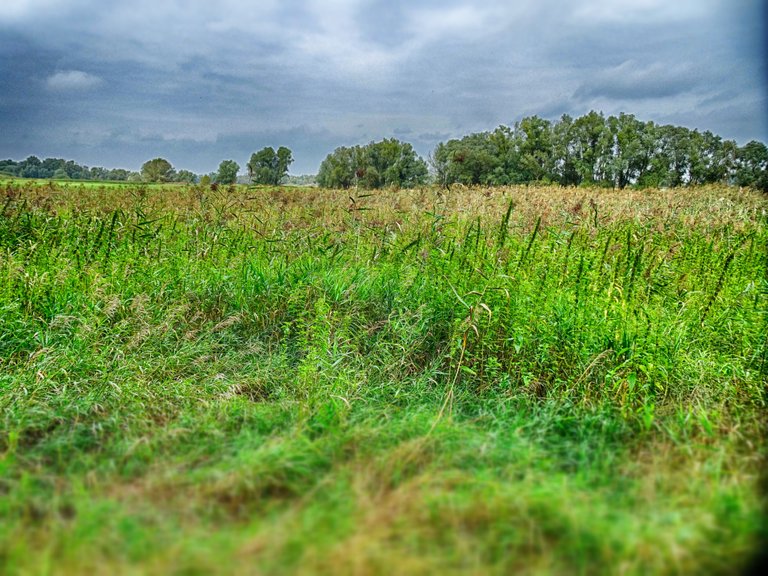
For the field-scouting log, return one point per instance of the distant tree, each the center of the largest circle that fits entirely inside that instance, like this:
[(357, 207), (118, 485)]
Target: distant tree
[(534, 135), (397, 163), (712, 159), (475, 159), (752, 166), (60, 174), (9, 167), (119, 174), (205, 180), (31, 168), (338, 170), (186, 176), (227, 173), (388, 163), (157, 170), (269, 167)]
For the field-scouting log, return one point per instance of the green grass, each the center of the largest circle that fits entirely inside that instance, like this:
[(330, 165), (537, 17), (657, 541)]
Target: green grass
[(484, 381)]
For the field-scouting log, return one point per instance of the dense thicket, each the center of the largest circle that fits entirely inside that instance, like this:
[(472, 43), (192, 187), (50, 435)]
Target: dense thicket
[(595, 150), (389, 163)]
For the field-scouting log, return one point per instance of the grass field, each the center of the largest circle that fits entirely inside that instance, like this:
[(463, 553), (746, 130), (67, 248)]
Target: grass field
[(477, 381)]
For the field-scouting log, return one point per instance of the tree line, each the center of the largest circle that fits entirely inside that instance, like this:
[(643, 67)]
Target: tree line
[(60, 169), (267, 166), (617, 151), (591, 150)]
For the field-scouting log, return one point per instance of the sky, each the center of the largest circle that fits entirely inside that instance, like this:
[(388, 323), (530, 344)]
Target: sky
[(115, 83)]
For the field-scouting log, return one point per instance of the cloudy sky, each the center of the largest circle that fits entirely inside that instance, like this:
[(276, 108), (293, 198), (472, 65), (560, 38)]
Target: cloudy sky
[(116, 82)]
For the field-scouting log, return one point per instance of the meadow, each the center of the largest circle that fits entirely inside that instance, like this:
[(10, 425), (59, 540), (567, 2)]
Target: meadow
[(301, 381)]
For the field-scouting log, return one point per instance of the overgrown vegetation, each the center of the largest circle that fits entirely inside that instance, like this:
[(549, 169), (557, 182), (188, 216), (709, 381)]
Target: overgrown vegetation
[(299, 381)]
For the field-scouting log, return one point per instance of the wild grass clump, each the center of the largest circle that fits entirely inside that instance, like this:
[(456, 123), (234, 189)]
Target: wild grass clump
[(474, 381)]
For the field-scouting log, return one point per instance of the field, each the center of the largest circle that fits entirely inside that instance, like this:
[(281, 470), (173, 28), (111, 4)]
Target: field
[(474, 381)]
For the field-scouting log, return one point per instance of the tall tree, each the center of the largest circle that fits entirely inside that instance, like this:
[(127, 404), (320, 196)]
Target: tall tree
[(269, 167), (157, 170), (339, 169), (186, 176), (389, 163), (535, 148), (752, 166), (227, 173)]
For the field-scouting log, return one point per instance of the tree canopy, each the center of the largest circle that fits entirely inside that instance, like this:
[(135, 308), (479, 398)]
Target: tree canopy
[(227, 173), (591, 150), (376, 165), (59, 168), (617, 151), (157, 170), (269, 167)]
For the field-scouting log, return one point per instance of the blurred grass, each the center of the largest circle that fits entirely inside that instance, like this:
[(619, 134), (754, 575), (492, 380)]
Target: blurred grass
[(280, 380)]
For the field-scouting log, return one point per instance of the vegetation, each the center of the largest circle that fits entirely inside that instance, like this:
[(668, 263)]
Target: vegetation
[(269, 167), (592, 150), (227, 173), (59, 168), (389, 163), (595, 150), (487, 380), (157, 170)]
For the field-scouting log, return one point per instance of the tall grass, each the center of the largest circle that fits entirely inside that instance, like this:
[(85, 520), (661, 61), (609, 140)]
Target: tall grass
[(474, 381)]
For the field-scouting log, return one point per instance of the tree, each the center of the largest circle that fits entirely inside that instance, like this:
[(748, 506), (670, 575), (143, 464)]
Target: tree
[(32, 168), (712, 159), (157, 170), (269, 167), (227, 173), (338, 170), (375, 165), (535, 148), (186, 176), (752, 167)]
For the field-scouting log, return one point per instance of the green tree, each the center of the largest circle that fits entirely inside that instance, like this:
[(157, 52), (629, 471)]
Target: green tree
[(376, 165), (227, 173), (475, 159), (752, 166), (32, 167), (186, 176), (712, 159), (269, 167), (591, 148), (338, 169), (393, 163), (535, 148), (157, 170), (633, 145)]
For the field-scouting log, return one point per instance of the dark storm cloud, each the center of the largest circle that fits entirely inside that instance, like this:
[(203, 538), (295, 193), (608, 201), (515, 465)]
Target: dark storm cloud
[(115, 83)]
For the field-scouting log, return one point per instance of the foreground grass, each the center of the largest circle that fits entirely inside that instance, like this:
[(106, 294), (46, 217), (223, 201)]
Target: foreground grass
[(302, 381)]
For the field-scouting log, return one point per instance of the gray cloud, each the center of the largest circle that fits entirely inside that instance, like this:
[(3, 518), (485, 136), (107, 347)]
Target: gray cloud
[(116, 82), (633, 80), (67, 80)]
